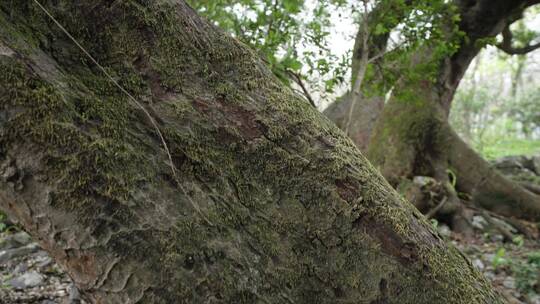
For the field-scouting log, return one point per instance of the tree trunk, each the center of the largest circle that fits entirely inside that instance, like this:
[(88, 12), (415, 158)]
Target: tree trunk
[(268, 202), (410, 133), (364, 117), (518, 74), (365, 110)]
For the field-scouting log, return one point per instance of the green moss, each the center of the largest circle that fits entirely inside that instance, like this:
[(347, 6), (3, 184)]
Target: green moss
[(87, 147), (411, 133)]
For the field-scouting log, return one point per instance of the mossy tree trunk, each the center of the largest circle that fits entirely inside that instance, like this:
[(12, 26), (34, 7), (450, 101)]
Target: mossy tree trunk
[(411, 135), (269, 203)]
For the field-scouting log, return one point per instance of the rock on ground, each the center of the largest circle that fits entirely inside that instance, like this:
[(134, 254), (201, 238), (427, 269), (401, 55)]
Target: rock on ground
[(29, 275)]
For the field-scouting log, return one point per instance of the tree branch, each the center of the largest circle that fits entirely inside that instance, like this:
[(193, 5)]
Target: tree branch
[(434, 211), (362, 68), (298, 79), (507, 47)]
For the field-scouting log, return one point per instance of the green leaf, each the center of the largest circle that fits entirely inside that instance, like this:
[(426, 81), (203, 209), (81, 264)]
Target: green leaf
[(380, 29), (292, 6), (295, 65)]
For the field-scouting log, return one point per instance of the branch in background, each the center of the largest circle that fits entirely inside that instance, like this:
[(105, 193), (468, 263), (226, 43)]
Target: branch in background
[(298, 79), (271, 23), (506, 44), (361, 73), (380, 55)]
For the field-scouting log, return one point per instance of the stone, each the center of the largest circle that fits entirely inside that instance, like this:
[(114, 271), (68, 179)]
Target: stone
[(509, 282), (474, 249), (21, 268), (534, 298), (27, 280), (479, 222), (74, 295), (6, 255), (488, 257), (489, 275), (478, 264), (22, 238), (15, 240), (423, 181), (510, 163), (519, 168), (44, 262), (496, 237), (41, 254), (444, 230)]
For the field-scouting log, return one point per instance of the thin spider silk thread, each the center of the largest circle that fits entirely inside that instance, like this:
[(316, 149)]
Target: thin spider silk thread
[(134, 101)]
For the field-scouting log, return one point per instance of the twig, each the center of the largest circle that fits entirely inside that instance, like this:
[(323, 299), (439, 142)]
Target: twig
[(507, 47), (434, 211), (298, 79)]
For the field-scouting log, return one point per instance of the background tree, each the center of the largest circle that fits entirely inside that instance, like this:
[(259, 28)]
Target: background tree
[(491, 113), (414, 122), (412, 137)]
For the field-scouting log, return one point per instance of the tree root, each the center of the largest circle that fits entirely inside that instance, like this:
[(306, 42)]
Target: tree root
[(489, 188), (434, 211)]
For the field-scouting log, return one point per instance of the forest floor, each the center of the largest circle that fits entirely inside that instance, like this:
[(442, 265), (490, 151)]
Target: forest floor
[(506, 251)]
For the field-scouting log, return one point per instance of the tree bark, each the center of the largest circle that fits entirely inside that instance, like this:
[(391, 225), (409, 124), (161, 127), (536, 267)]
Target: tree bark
[(268, 201), (364, 117)]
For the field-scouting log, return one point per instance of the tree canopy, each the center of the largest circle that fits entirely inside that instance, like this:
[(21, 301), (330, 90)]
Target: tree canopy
[(295, 37)]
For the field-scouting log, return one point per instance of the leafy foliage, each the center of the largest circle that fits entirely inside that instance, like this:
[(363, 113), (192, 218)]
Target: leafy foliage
[(527, 273), (294, 36), (496, 108), (499, 258), (288, 35)]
